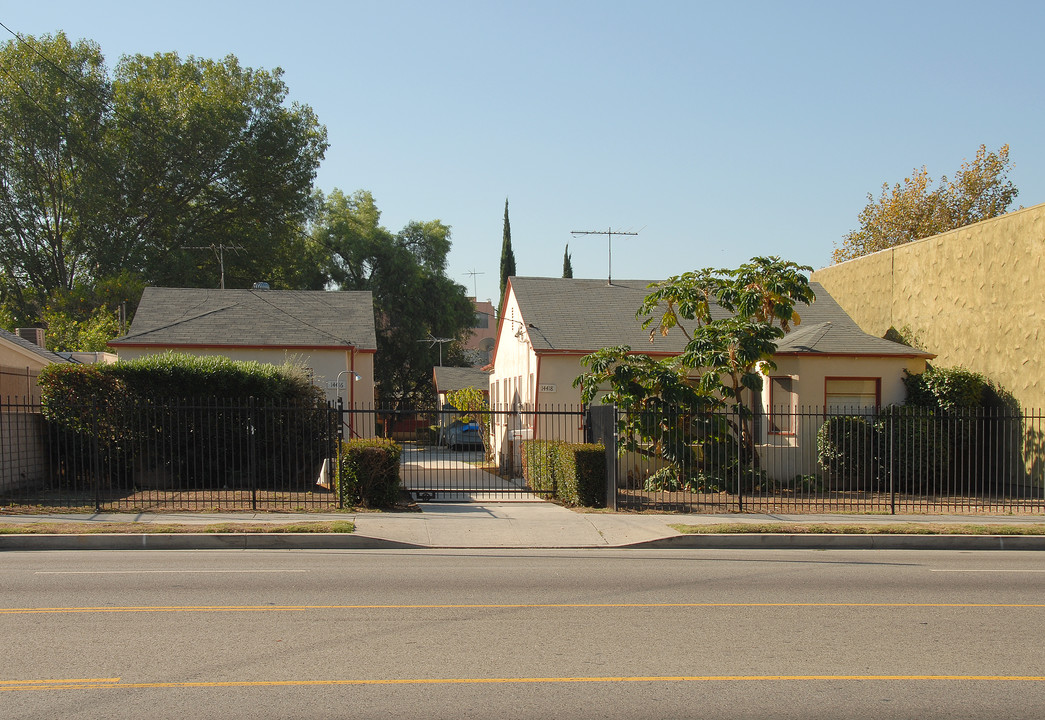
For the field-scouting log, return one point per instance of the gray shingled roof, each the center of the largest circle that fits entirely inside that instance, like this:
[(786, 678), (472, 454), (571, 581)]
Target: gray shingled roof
[(31, 347), (456, 378), (258, 318), (575, 315)]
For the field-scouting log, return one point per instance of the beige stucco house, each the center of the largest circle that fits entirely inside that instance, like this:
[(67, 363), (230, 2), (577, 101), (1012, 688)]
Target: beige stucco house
[(549, 324), (22, 357), (330, 334)]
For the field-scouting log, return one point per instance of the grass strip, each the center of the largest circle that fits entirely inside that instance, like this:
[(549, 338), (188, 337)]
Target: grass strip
[(869, 529), (140, 528)]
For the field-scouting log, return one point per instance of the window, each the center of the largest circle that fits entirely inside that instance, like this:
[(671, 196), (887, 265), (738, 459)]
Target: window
[(482, 321), (781, 406), (859, 396)]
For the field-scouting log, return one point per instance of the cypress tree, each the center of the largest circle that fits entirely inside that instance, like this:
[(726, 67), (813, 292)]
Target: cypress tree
[(567, 265), (507, 256)]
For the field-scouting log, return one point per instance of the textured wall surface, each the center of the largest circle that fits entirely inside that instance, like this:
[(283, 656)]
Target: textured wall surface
[(974, 296)]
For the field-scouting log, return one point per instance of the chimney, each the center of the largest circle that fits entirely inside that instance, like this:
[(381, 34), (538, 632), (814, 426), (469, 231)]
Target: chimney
[(33, 335)]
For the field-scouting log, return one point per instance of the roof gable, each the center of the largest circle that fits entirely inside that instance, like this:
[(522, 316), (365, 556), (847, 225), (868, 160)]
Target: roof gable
[(24, 346), (172, 317)]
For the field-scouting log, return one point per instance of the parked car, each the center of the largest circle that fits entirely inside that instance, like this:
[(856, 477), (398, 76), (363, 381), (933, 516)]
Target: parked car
[(461, 436)]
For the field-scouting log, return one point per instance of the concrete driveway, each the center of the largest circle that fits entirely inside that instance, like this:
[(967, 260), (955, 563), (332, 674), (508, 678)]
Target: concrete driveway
[(435, 473)]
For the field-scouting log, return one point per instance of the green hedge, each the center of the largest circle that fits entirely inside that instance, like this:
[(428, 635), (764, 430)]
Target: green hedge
[(574, 472), (368, 473), (180, 421), (848, 449)]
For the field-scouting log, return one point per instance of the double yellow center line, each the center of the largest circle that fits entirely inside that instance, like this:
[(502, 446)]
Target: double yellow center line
[(487, 606), (115, 684)]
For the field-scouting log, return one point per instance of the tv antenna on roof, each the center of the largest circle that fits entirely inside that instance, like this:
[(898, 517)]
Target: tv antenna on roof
[(432, 340), (473, 273), (609, 233), (219, 252)]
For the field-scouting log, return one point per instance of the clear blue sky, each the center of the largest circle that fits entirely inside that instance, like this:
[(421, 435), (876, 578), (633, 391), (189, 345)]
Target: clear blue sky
[(718, 130)]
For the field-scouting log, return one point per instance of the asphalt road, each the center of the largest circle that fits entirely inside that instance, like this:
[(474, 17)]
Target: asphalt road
[(522, 634)]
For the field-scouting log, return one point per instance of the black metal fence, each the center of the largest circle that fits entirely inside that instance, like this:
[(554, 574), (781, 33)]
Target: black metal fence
[(897, 460), (203, 455), (170, 455)]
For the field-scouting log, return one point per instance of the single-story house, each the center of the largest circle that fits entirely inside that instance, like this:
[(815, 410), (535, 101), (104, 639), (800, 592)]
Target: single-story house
[(329, 333), (448, 379), (22, 357), (549, 324)]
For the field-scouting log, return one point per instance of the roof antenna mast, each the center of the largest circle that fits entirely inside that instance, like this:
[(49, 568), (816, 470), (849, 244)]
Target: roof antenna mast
[(219, 253), (475, 287), (609, 233)]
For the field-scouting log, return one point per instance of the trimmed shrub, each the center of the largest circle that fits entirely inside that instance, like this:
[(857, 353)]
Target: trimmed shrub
[(915, 449), (946, 388), (368, 473), (847, 449), (574, 472)]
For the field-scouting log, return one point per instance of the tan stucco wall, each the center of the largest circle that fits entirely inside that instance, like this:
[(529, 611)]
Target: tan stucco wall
[(18, 370), (974, 296)]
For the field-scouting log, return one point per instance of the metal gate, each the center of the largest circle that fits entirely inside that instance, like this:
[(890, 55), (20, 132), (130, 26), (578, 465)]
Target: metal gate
[(444, 455)]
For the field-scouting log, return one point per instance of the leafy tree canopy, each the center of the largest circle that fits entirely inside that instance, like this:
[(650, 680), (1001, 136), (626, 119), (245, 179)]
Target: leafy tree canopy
[(914, 210), (104, 173), (413, 298)]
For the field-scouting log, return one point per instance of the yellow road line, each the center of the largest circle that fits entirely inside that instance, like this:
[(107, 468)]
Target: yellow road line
[(5, 686), (487, 606), (74, 680)]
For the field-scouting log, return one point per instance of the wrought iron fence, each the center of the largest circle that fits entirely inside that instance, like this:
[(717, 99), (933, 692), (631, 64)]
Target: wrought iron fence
[(169, 455), (900, 459), (201, 455)]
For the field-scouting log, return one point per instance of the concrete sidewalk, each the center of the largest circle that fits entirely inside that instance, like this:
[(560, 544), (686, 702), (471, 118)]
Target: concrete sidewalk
[(514, 525)]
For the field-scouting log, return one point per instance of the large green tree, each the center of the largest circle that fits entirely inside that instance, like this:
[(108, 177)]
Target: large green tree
[(102, 173), (915, 209), (53, 110), (414, 300), (665, 401)]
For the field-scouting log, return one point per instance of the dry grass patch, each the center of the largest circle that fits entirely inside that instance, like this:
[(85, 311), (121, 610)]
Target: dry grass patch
[(870, 529), (138, 528)]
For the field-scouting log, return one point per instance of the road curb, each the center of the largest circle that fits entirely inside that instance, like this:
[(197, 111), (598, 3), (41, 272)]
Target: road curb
[(200, 541), (345, 541), (806, 541)]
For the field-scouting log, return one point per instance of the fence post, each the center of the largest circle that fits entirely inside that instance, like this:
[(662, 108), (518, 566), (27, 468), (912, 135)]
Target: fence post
[(738, 420), (891, 468), (604, 430), (252, 464), (96, 447), (336, 460)]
